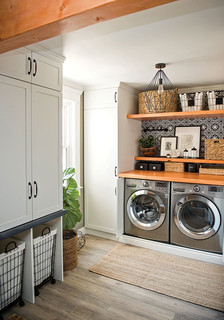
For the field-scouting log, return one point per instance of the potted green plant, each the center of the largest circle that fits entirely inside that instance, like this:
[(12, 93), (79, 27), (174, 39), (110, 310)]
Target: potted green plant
[(147, 146), (73, 215)]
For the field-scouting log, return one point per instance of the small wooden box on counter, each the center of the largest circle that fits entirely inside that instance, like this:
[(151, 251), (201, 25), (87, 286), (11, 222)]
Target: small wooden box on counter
[(174, 166)]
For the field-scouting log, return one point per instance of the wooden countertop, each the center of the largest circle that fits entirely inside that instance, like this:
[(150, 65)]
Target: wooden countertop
[(187, 177)]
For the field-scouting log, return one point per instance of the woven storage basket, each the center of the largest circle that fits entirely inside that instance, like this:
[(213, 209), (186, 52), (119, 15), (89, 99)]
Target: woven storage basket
[(216, 171), (152, 102), (214, 149), (70, 253), (148, 152), (174, 166)]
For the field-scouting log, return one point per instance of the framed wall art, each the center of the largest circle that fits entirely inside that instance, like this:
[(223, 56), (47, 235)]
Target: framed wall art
[(167, 144), (188, 137)]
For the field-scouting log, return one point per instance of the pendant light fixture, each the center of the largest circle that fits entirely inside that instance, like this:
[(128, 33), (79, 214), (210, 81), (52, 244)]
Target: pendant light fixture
[(161, 96)]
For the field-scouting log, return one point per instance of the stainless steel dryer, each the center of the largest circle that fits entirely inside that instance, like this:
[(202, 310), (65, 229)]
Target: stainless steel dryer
[(147, 209), (197, 213)]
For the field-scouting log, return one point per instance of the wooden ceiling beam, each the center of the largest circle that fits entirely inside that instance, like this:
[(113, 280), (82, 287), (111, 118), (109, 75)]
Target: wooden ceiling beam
[(24, 22)]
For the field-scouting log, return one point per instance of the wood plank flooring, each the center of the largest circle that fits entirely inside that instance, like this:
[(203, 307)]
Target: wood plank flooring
[(87, 296)]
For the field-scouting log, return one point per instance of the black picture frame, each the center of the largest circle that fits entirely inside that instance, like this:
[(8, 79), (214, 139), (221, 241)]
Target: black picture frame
[(167, 144)]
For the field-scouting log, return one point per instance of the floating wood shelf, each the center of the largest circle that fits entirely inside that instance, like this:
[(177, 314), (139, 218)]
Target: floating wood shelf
[(164, 159), (177, 115)]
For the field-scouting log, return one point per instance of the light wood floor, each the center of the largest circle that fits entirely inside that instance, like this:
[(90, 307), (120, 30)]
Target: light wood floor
[(87, 296)]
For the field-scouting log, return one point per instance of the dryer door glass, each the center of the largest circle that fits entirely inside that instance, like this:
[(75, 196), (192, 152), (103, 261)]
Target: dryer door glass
[(146, 210), (197, 217)]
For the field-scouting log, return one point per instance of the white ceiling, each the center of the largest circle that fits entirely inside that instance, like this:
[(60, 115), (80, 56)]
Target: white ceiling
[(187, 35)]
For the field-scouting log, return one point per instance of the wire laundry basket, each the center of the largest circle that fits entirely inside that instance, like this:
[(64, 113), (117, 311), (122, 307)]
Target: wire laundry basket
[(44, 245), (11, 272)]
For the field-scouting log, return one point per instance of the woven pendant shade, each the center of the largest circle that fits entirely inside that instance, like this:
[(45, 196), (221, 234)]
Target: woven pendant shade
[(160, 96)]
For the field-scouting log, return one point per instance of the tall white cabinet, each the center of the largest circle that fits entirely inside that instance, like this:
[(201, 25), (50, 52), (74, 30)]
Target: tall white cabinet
[(109, 147), (31, 151), (30, 128), (15, 166)]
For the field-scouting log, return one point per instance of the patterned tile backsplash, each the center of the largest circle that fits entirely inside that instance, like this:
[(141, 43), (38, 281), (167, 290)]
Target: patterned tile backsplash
[(211, 128)]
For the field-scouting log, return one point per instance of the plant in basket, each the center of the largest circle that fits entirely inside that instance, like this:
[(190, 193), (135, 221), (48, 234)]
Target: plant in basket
[(147, 146), (73, 215)]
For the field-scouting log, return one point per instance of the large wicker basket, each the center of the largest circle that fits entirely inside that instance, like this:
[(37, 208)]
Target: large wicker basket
[(152, 102), (214, 149), (216, 171), (70, 252)]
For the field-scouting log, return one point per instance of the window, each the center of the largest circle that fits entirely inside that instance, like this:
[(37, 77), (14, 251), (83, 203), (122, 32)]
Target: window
[(71, 137)]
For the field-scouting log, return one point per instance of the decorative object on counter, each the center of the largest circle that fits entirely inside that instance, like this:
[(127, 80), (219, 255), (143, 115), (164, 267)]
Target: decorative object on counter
[(215, 102), (160, 95), (186, 153), (148, 149), (174, 166), (175, 153), (188, 137), (214, 149), (208, 170), (192, 102), (168, 155), (73, 215), (193, 153), (167, 144)]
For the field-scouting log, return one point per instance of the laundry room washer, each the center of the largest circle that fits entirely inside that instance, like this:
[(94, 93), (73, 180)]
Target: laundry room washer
[(197, 213), (146, 212)]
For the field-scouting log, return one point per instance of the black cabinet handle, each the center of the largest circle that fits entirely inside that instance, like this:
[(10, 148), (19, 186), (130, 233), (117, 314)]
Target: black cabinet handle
[(35, 67), (30, 186), (115, 171), (30, 65), (36, 189), (115, 96)]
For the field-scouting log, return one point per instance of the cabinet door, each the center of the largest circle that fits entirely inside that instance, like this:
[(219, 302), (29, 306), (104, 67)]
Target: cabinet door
[(102, 98), (100, 162), (46, 72), (15, 132), (46, 151), (17, 64)]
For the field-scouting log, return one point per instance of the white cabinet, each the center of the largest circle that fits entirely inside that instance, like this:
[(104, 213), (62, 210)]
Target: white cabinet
[(109, 147), (30, 134), (100, 162), (46, 151), (15, 129), (30, 66)]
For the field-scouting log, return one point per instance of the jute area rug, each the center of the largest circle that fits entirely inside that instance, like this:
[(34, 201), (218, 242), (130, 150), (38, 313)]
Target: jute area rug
[(190, 280)]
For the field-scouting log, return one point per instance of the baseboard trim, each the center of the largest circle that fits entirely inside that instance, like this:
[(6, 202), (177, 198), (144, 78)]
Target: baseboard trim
[(100, 234), (172, 249)]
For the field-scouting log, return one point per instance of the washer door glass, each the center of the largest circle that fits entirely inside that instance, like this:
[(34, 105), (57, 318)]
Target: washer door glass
[(197, 217), (146, 210)]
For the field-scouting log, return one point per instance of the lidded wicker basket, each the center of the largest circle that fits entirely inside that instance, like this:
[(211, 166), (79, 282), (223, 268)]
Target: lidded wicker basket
[(214, 149)]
